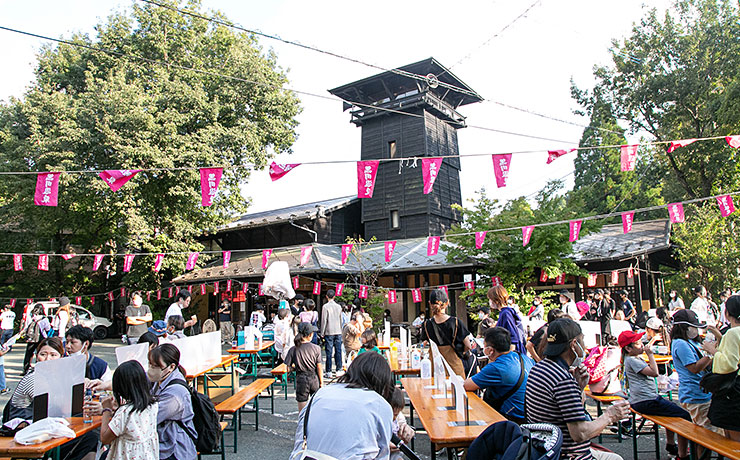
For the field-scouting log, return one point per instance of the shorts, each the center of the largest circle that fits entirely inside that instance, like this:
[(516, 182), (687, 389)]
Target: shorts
[(660, 406), (306, 384), (700, 415)]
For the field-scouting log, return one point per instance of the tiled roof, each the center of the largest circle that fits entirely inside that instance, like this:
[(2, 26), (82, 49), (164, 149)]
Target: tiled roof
[(611, 243)]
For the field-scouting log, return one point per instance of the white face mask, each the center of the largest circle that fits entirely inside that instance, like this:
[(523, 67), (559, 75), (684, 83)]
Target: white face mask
[(692, 333), (156, 374), (138, 301), (536, 302), (579, 357)]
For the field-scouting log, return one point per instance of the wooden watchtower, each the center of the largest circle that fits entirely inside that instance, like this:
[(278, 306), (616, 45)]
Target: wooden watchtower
[(404, 116)]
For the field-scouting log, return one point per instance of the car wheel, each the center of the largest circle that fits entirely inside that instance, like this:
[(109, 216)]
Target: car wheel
[(100, 332)]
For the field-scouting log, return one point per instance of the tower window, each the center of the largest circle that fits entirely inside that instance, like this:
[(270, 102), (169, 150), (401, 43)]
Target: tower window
[(392, 149), (395, 220)]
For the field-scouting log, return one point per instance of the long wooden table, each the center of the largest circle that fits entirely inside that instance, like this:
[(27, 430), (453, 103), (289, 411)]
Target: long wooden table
[(436, 421), (10, 448), (207, 370), (252, 352)]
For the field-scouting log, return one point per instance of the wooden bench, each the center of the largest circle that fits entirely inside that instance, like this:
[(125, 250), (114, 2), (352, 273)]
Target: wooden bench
[(605, 399), (698, 435), (222, 451), (234, 405), (281, 377)]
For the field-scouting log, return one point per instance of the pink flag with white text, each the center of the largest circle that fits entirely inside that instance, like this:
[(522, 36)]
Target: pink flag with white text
[(496, 281), (560, 279), (340, 289), (527, 234), (575, 229), (159, 294), (67, 256), (543, 276), (116, 178), (480, 238), (726, 205), (733, 141), (392, 296), (446, 290), (192, 259), (128, 260), (630, 272), (346, 249), (296, 282), (362, 293), (680, 143), (592, 279), (123, 292), (675, 211), (245, 287), (390, 246), (553, 155), (18, 262), (12, 303), (433, 245), (228, 285), (366, 175), (316, 287), (202, 289), (277, 170), (628, 157), (266, 254), (47, 189), (110, 296), (306, 254), (627, 219), (216, 287), (43, 262), (209, 180), (615, 277), (501, 166), (226, 258), (429, 170), (97, 260), (470, 285), (416, 295), (170, 293), (190, 288)]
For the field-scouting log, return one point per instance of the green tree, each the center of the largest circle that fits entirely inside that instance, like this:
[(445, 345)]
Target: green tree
[(91, 110)]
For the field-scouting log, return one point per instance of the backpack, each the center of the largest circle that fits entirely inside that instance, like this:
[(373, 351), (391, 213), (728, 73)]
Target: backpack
[(205, 420), (509, 441)]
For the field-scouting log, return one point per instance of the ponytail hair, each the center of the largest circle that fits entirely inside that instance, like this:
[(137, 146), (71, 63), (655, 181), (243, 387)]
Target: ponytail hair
[(298, 340), (167, 354)]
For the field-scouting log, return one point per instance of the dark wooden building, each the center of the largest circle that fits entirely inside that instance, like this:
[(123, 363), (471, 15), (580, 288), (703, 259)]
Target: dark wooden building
[(426, 128)]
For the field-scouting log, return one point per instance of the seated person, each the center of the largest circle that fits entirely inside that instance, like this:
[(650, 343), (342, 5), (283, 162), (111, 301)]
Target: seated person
[(485, 321), (554, 393), (535, 345), (400, 427), (369, 342), (175, 326), (149, 338), (79, 341), (501, 376)]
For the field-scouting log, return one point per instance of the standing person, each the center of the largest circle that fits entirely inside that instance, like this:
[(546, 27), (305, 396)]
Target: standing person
[(309, 315), (129, 419), (554, 394), (175, 327), (485, 321), (61, 318), (37, 330), (535, 345), (700, 305), (508, 318), (257, 318), (676, 303), (603, 313), (297, 305), (351, 334), (691, 366), (224, 321), (628, 309), (724, 408), (644, 396), (181, 302), (537, 310), (7, 320), (369, 342), (305, 359), (331, 331), (568, 306), (283, 329), (137, 317), (448, 332), (351, 419), (175, 413)]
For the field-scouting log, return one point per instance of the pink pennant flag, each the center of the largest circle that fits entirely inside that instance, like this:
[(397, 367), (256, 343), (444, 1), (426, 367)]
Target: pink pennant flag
[(495, 281), (266, 254), (560, 279), (148, 295), (553, 155), (446, 290), (97, 261), (392, 296), (216, 288), (470, 285), (726, 205), (366, 175), (67, 256), (628, 156), (123, 292), (92, 300), (501, 165), (340, 289), (675, 211), (192, 259), (362, 293), (29, 301), (277, 170), (630, 273), (228, 285), (433, 245), (306, 254), (416, 295), (158, 262), (390, 246), (12, 303), (190, 288), (317, 288), (128, 260), (78, 300), (227, 258), (43, 262), (159, 294), (429, 170), (527, 234), (346, 249), (543, 276), (296, 282), (680, 143), (592, 279), (615, 277), (116, 178), (47, 189), (209, 180), (627, 219), (575, 229), (480, 238), (110, 296), (170, 293), (18, 262), (245, 287), (733, 141), (202, 289)]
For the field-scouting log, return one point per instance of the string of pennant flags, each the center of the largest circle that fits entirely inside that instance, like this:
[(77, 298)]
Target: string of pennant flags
[(47, 183)]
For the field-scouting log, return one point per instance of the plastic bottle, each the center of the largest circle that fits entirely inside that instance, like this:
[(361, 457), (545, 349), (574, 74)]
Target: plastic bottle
[(87, 417), (439, 374), (415, 359), (426, 368)]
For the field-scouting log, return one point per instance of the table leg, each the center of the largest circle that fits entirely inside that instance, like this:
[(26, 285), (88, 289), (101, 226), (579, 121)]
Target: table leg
[(434, 450), (205, 385), (692, 450), (634, 437), (233, 379)]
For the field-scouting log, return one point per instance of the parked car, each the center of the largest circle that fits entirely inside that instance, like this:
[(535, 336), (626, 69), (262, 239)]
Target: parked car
[(98, 324)]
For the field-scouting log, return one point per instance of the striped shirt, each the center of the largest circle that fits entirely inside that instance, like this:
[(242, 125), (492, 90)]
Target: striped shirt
[(553, 396)]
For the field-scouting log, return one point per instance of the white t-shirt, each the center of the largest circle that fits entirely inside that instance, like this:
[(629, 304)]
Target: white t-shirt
[(571, 309), (700, 306), (174, 310), (257, 319), (676, 304), (8, 318)]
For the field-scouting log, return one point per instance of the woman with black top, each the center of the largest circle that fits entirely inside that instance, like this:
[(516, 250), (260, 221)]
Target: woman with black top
[(448, 332)]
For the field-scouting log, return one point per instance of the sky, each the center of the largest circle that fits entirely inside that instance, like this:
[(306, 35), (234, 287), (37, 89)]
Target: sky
[(530, 65)]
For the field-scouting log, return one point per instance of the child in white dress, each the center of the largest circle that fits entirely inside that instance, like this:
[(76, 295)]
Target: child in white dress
[(129, 422)]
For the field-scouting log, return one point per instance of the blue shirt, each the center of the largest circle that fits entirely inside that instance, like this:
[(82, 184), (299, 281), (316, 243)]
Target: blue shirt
[(174, 404), (685, 353), (500, 377), (627, 307), (510, 320)]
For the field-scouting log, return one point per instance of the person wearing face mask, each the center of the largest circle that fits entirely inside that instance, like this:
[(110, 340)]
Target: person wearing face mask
[(351, 333), (675, 302), (79, 341), (554, 393), (175, 414), (448, 332), (700, 306), (691, 365), (137, 317), (568, 305), (508, 317), (485, 322), (537, 310), (182, 302), (504, 378)]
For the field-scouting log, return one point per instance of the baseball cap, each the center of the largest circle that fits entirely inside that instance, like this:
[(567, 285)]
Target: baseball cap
[(559, 334), (158, 328), (63, 301), (654, 323), (688, 318), (566, 293), (306, 328), (628, 337)]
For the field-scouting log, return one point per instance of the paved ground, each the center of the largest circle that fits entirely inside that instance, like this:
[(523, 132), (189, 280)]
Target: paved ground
[(274, 440)]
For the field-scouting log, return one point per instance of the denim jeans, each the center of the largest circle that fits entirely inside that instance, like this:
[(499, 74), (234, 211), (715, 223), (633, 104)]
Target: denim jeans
[(6, 335), (2, 377), (333, 342)]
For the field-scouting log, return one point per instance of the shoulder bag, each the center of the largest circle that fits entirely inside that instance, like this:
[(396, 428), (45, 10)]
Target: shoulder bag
[(307, 454)]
